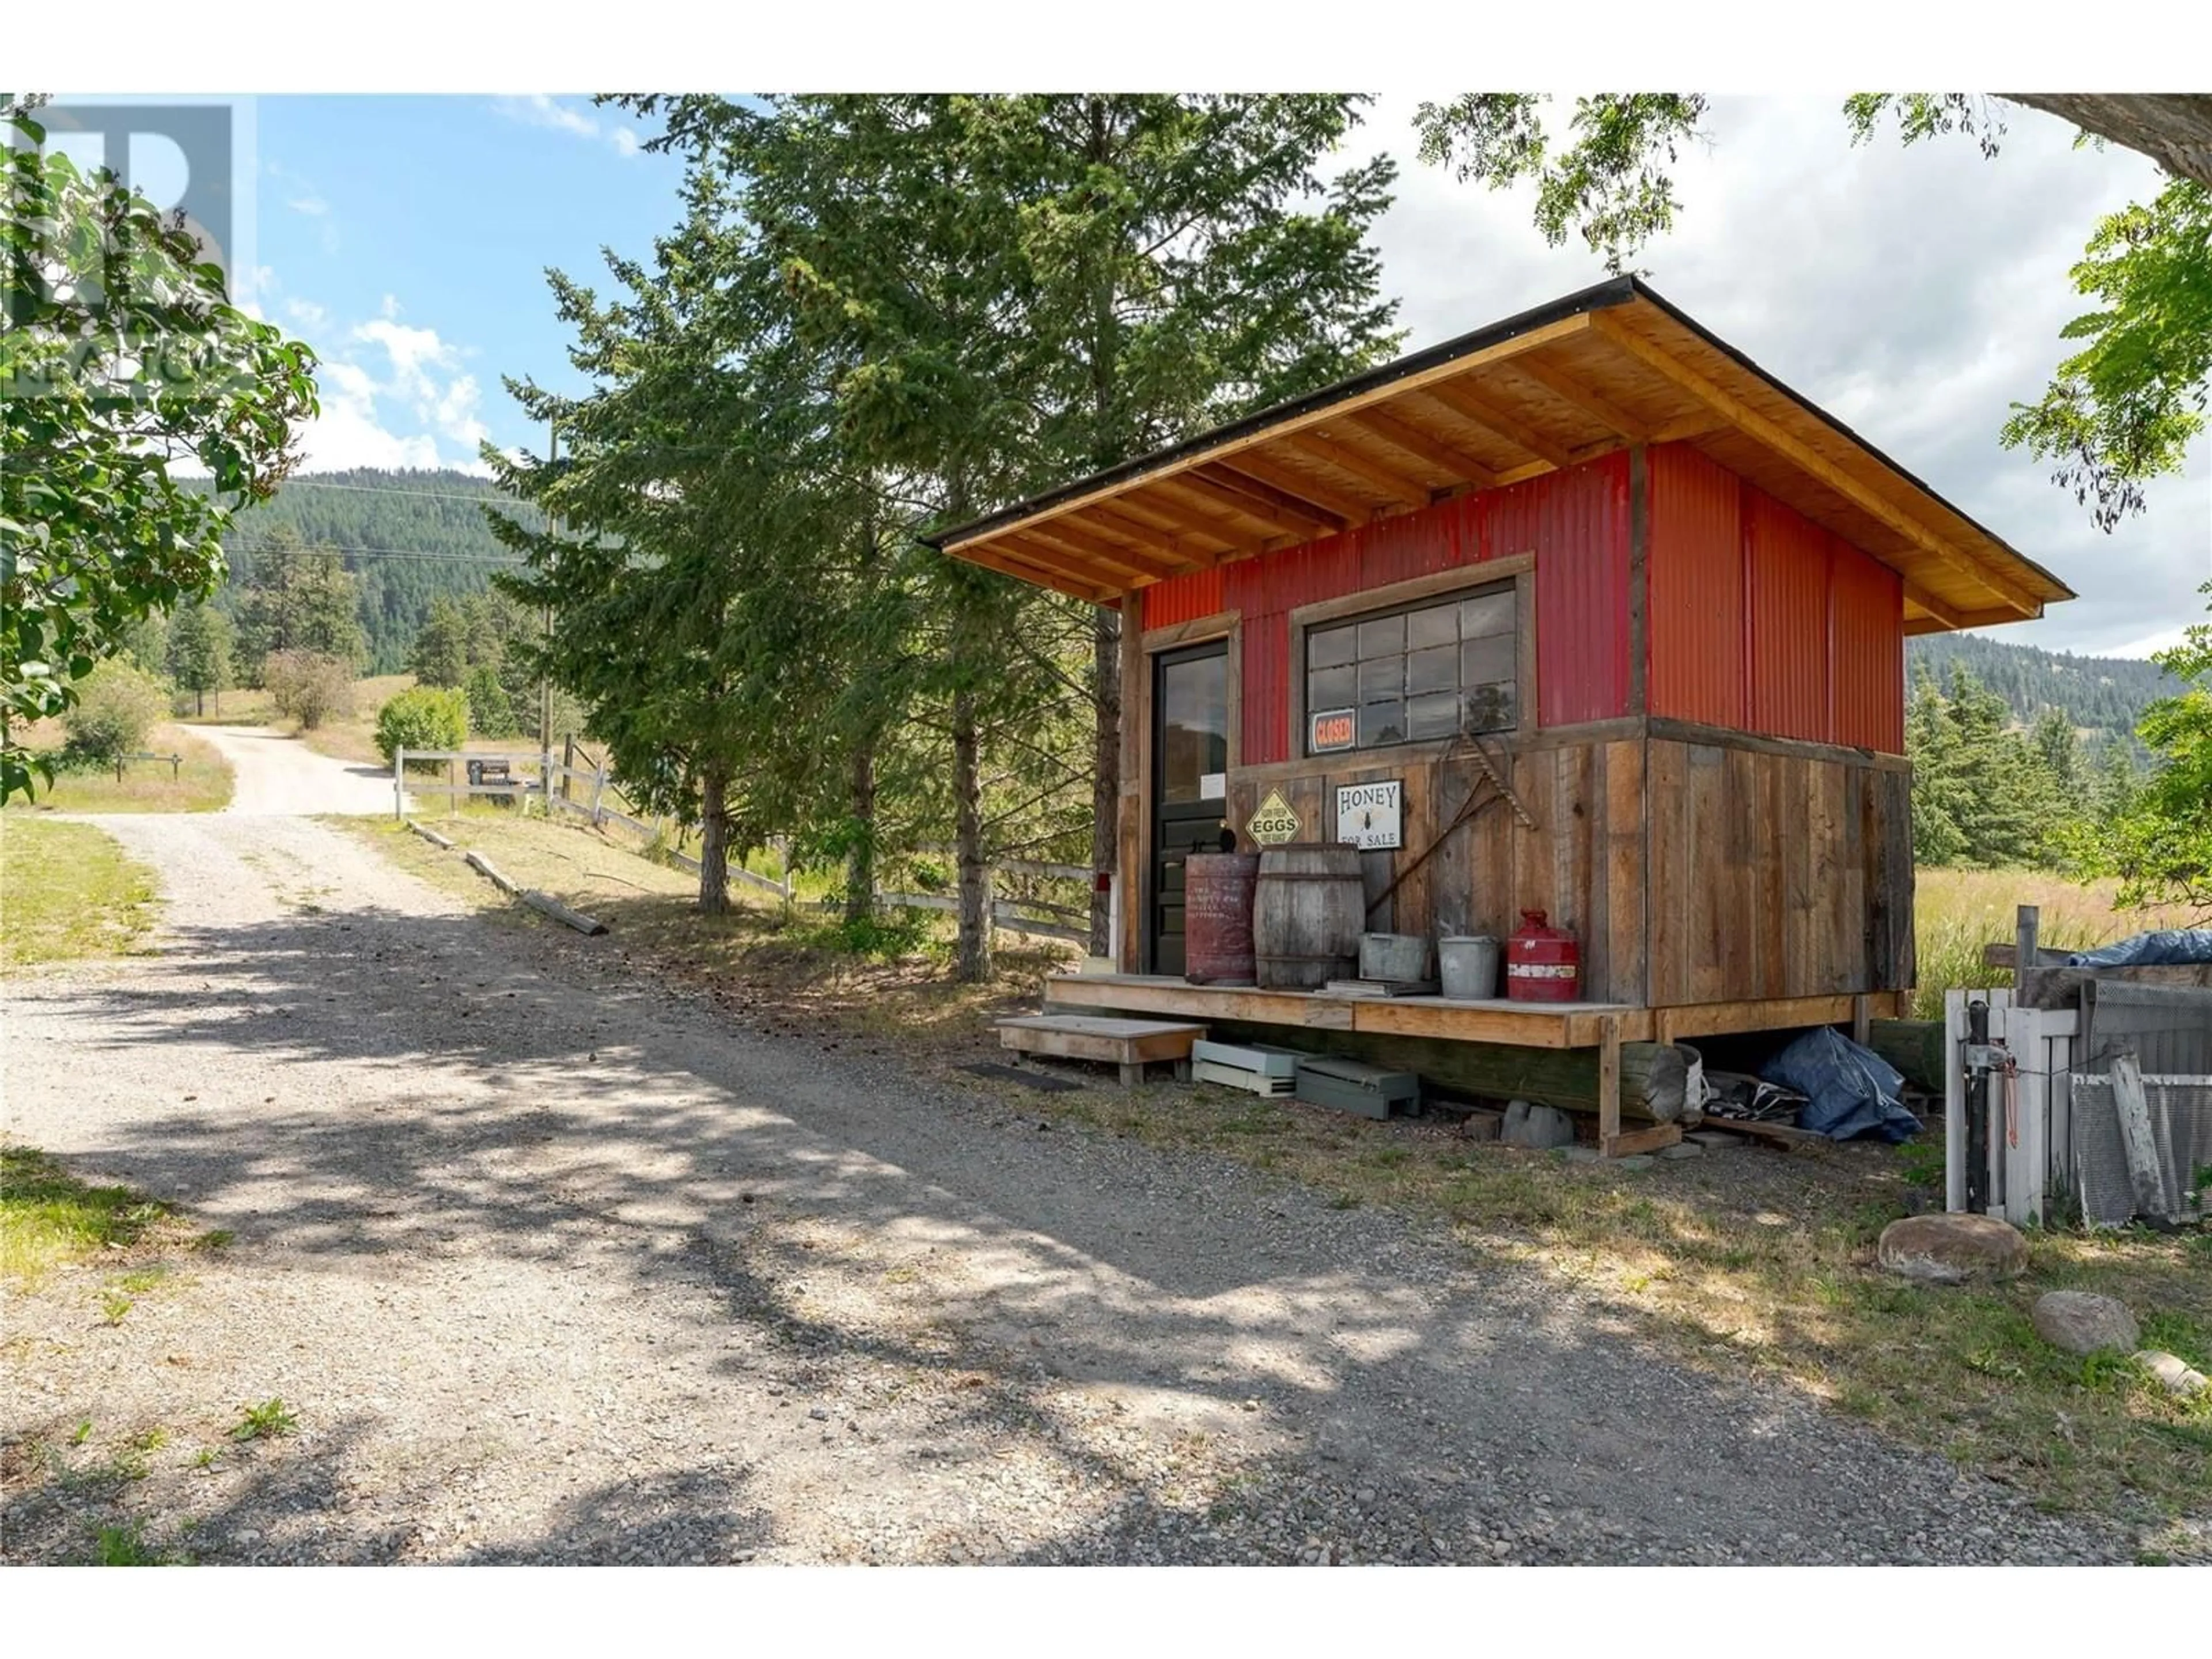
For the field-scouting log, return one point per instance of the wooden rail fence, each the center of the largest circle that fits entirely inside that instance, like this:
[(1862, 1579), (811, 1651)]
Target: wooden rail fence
[(555, 784)]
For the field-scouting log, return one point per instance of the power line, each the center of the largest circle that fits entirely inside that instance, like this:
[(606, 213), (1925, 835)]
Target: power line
[(387, 553), (490, 492)]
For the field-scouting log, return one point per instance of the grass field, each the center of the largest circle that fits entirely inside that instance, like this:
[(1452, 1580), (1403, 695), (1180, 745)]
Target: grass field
[(67, 891), (1957, 912), (1753, 1262), (202, 784), (239, 706)]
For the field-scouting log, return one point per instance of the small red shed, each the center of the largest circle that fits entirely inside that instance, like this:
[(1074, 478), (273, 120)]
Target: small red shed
[(1595, 548)]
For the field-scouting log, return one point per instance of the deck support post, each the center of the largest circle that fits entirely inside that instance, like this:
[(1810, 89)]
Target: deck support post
[(1608, 1083), (1862, 1020)]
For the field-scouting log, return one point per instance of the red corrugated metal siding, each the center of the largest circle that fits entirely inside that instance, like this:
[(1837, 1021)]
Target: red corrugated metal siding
[(1265, 733), (1694, 560), (1868, 688), (1786, 566), (1577, 523), (1183, 598)]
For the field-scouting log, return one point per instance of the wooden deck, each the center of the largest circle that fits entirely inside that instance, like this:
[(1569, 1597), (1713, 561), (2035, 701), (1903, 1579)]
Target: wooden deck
[(1527, 1024)]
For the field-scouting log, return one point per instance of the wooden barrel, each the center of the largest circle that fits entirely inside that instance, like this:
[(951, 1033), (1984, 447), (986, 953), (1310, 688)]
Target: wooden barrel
[(1216, 917), (1309, 909)]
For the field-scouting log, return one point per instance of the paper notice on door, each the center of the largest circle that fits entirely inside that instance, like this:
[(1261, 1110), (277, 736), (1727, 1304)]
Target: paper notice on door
[(1212, 785)]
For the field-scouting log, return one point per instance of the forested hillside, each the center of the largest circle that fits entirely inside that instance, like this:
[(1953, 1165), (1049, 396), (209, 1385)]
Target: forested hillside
[(408, 535), (411, 536), (2105, 695)]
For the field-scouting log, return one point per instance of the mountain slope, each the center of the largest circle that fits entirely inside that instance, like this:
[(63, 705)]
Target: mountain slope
[(410, 535), (2105, 695)]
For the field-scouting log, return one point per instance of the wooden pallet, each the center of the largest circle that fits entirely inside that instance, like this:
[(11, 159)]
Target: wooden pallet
[(1130, 1044)]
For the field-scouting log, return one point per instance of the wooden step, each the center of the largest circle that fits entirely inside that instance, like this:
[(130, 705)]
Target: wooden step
[(1131, 1044)]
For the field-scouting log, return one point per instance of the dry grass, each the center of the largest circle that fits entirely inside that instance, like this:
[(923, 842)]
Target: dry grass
[(242, 705), (67, 892), (1957, 912), (773, 966), (202, 784), (1750, 1261)]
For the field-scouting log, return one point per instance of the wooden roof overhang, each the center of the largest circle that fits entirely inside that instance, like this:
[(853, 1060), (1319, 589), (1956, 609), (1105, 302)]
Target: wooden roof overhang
[(1613, 366)]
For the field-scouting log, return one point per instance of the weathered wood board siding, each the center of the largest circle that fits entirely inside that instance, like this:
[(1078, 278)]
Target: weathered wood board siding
[(1776, 874), (1582, 862)]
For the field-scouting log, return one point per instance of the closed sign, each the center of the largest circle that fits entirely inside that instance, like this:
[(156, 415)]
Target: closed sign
[(1333, 728), (1372, 815)]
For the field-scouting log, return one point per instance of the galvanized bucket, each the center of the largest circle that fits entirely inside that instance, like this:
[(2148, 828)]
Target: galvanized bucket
[(1469, 967)]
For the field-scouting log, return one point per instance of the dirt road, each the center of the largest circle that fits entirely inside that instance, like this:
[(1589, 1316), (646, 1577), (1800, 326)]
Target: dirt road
[(554, 1268), (278, 773)]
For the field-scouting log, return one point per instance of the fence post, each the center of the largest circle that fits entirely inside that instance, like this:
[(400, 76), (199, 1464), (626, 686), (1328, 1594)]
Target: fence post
[(545, 779), (176, 767), (118, 767), (598, 788), (398, 789), (783, 866), (455, 798), (567, 766)]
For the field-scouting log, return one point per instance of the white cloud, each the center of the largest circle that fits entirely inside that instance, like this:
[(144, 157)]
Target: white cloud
[(1915, 294), (393, 394), (537, 110), (314, 206)]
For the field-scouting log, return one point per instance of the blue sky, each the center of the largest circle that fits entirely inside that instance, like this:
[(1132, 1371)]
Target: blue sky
[(1915, 293), (407, 240)]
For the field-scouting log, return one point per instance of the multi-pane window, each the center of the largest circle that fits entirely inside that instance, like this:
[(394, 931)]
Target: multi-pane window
[(1432, 671)]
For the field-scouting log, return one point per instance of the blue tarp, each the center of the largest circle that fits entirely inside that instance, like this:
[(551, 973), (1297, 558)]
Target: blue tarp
[(1848, 1090), (2166, 946)]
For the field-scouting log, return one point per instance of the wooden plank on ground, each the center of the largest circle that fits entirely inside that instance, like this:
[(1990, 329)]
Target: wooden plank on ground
[(1779, 1135), (1640, 1140)]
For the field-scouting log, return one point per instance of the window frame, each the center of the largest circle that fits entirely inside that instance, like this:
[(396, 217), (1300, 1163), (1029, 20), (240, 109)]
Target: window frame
[(1515, 574)]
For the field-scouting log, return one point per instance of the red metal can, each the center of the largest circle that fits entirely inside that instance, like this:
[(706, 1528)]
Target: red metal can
[(1542, 964)]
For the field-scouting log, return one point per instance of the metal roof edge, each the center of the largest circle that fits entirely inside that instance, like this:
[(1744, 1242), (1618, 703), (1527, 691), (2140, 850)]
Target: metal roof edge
[(1644, 291), (1613, 291)]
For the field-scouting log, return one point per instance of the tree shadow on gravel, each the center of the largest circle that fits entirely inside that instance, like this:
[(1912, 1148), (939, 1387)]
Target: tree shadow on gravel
[(371, 1084)]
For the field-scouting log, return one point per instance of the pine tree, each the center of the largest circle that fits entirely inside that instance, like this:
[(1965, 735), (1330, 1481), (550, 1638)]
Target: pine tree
[(200, 652), (1016, 288), (441, 655), (297, 598)]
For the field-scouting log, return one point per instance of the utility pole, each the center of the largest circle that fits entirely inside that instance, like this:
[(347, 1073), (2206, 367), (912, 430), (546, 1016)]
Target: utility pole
[(545, 683)]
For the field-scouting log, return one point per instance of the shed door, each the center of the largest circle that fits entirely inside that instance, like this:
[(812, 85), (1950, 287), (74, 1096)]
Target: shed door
[(1190, 782)]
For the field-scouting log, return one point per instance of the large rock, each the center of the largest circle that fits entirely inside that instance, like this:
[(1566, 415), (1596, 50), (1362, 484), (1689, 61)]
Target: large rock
[(1953, 1249), (1528, 1124), (2082, 1322)]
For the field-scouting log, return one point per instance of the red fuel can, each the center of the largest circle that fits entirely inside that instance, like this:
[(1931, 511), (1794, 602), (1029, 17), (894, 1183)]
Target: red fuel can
[(1542, 964)]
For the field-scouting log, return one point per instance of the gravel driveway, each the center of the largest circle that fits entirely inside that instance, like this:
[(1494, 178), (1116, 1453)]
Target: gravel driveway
[(555, 1268), (278, 772)]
